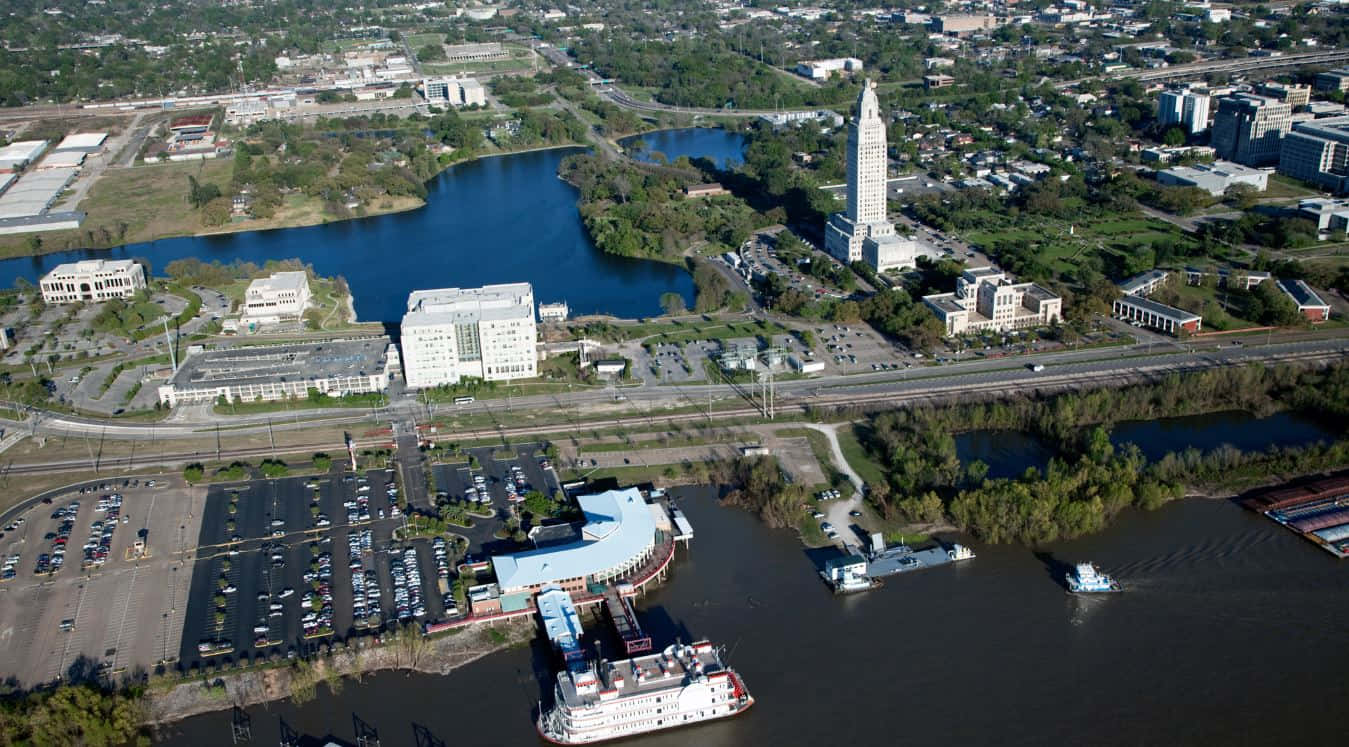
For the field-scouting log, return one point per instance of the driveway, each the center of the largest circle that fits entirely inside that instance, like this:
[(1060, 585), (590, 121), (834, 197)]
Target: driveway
[(837, 512)]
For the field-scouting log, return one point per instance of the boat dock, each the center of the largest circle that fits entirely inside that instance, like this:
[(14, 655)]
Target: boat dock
[(561, 623), (1317, 510), (624, 620), (856, 572), (902, 559)]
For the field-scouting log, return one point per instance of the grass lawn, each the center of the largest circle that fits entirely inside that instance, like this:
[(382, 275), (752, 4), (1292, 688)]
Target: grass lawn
[(417, 41), (132, 205), (1281, 186), (870, 472)]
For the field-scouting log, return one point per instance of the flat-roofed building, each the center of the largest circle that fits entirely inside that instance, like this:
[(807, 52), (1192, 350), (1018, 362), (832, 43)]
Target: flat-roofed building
[(1155, 315), (1187, 106), (937, 80), (964, 24), (85, 142), (1328, 215), (1332, 80), (20, 153), (280, 296), (823, 69), (1249, 129), (1215, 178), (486, 333), (92, 280), (191, 124), (452, 91), (1144, 284), (482, 52), (986, 299), (1318, 152), (1290, 93), (1309, 304), (1227, 277), (618, 538), (271, 372)]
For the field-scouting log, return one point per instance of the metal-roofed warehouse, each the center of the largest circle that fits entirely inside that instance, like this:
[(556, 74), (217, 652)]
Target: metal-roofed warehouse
[(272, 372)]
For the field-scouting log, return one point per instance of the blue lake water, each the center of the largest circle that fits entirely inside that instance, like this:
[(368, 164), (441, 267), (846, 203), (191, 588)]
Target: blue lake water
[(723, 147), (494, 220)]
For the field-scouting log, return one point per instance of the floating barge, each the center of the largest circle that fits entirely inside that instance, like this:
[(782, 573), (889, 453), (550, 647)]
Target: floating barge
[(1317, 510), (854, 573)]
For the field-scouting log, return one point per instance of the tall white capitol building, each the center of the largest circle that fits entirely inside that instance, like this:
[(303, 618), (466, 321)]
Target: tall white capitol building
[(863, 231), (485, 333)]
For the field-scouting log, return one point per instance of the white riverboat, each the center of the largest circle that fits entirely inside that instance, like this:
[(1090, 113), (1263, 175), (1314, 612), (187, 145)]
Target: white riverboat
[(681, 686)]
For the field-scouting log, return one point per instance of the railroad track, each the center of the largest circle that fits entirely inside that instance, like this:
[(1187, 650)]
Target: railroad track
[(939, 391)]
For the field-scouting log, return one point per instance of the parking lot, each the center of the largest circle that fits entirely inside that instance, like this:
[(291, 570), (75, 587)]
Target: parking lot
[(116, 602), (288, 564), (499, 481)]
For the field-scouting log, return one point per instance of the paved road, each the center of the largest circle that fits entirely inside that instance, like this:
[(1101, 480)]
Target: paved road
[(917, 384), (837, 511)]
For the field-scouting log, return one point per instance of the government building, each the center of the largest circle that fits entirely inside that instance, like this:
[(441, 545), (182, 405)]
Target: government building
[(863, 231), (484, 333), (281, 296), (985, 299), (93, 280)]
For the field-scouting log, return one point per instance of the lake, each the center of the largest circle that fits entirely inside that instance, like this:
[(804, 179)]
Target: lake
[(1009, 453), (726, 149), (494, 220)]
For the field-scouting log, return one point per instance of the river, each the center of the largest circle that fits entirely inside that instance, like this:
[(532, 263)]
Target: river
[(493, 220), (1230, 631)]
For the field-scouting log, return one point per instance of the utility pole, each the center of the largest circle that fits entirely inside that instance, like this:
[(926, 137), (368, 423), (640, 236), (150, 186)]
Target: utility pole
[(272, 436)]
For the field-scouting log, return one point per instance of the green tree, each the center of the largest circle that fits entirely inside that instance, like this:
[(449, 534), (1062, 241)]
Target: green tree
[(193, 473), (672, 303)]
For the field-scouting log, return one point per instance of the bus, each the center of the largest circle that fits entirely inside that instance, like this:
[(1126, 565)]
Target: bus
[(463, 400)]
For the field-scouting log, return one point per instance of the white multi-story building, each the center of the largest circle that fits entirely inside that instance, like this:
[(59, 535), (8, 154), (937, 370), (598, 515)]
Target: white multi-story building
[(485, 333), (448, 91), (986, 299), (1185, 106), (93, 280), (863, 230), (281, 296)]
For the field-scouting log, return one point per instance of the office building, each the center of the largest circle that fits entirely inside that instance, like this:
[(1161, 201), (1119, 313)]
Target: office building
[(964, 24), (92, 280), (281, 296), (448, 91), (863, 229), (1332, 80), (1155, 315), (271, 372), (823, 69), (1328, 215), (1186, 106), (986, 299), (1308, 303), (1249, 129), (1318, 152), (1144, 284), (1215, 178), (484, 333), (1289, 93)]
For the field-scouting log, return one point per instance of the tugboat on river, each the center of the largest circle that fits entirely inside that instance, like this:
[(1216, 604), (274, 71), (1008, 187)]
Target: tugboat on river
[(1086, 578)]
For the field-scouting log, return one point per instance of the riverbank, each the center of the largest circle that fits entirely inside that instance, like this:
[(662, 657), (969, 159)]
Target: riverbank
[(439, 655)]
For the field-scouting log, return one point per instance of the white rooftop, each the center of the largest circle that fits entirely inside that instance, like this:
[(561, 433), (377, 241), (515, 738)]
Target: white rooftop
[(466, 305), (82, 141), (279, 281), (92, 265), (560, 621), (619, 526), (22, 150)]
